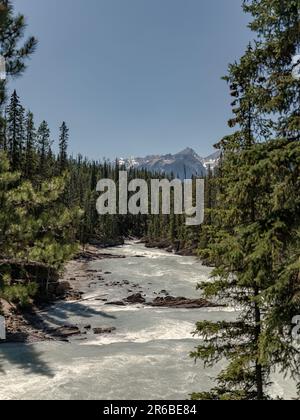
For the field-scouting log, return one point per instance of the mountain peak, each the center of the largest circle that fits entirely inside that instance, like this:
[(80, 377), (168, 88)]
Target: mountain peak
[(187, 151), (183, 165)]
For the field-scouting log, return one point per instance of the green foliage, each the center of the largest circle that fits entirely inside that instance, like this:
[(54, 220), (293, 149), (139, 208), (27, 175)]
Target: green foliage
[(254, 241), (44, 150), (11, 47), (15, 132), (20, 294), (35, 226), (30, 155), (34, 223), (63, 147)]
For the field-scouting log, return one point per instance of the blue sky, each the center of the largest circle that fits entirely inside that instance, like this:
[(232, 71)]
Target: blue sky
[(133, 77)]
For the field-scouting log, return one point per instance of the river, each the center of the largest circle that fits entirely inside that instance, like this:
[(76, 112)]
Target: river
[(147, 357)]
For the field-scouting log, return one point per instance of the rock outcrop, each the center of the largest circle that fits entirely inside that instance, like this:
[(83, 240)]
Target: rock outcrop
[(107, 330), (137, 298), (181, 302)]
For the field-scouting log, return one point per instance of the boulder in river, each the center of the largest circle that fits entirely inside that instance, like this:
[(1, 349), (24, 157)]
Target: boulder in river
[(67, 331), (117, 303), (107, 330), (137, 298), (181, 302), (63, 288)]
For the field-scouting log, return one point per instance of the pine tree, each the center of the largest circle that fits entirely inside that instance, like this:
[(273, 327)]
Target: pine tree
[(3, 143), (35, 225), (276, 23), (256, 241), (30, 147), (15, 134), (11, 35), (63, 147), (44, 148), (15, 54)]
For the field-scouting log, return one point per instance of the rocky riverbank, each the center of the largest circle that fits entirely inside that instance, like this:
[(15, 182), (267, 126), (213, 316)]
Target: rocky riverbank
[(29, 325)]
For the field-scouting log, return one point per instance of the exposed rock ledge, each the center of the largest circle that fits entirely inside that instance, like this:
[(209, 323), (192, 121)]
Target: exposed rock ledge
[(181, 302), (166, 302)]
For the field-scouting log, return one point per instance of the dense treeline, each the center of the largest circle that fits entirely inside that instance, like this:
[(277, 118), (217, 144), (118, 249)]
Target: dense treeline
[(30, 151), (48, 200)]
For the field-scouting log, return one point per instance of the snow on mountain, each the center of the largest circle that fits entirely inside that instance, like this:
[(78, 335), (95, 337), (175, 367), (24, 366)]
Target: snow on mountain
[(183, 165), (211, 161)]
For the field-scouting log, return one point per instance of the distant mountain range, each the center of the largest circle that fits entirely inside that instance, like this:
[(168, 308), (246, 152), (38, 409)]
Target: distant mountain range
[(183, 165)]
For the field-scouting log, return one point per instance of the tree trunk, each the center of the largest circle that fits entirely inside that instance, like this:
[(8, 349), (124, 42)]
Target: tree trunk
[(258, 368)]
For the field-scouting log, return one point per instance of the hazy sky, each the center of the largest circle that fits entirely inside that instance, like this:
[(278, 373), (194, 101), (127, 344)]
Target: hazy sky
[(133, 77)]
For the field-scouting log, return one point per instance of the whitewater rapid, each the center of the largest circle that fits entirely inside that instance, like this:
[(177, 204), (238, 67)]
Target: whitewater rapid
[(147, 357)]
